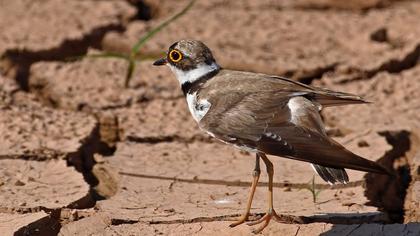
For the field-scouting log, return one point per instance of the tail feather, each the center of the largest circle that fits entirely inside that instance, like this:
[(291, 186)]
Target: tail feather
[(331, 175), (332, 98), (316, 148)]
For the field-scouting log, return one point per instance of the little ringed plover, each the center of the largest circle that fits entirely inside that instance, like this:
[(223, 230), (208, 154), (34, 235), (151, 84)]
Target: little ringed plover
[(263, 114)]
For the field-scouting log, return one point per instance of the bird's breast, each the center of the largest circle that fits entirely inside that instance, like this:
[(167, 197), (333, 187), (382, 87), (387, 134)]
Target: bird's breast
[(197, 107)]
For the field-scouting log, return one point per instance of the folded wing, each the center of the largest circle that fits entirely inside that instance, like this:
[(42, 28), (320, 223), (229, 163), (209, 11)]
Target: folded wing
[(282, 125)]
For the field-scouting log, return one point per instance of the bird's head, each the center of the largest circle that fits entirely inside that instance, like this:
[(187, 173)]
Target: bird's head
[(189, 60)]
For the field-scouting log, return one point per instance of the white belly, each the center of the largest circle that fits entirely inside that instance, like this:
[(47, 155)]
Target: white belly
[(198, 108)]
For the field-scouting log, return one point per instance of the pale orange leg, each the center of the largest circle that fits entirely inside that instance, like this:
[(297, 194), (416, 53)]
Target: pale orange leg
[(256, 176), (270, 212)]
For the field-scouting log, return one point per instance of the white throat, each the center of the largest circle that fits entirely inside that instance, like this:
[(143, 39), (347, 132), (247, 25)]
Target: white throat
[(194, 74)]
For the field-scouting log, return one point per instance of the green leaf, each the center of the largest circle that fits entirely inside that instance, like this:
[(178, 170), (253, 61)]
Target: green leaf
[(155, 30)]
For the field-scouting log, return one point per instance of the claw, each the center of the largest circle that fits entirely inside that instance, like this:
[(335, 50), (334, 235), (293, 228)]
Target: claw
[(241, 220), (271, 214)]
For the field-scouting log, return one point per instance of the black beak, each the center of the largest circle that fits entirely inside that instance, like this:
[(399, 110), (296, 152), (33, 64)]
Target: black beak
[(160, 62)]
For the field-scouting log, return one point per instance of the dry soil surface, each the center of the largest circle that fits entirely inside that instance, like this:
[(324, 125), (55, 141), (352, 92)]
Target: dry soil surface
[(83, 155)]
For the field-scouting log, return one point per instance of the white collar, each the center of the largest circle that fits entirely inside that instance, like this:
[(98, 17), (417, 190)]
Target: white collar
[(194, 74)]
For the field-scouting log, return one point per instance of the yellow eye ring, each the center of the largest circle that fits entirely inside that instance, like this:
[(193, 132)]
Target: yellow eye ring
[(175, 55)]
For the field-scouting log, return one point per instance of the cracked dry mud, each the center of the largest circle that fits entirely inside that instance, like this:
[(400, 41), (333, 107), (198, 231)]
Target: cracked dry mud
[(82, 155)]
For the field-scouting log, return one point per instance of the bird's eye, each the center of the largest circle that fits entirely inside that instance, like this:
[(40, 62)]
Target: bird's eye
[(175, 55)]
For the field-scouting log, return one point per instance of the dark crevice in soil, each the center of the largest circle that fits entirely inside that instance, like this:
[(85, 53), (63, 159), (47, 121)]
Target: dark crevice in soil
[(144, 11), (388, 192), (342, 7), (49, 225), (362, 8), (168, 139), (343, 219), (307, 77), (36, 155), (83, 161), (153, 140), (23, 210), (123, 222), (393, 66), (20, 61), (79, 204)]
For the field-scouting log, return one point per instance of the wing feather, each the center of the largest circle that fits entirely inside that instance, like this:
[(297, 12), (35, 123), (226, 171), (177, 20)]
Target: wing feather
[(323, 96), (264, 121)]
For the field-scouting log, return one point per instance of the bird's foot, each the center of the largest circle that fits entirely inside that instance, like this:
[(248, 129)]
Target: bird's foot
[(241, 220), (265, 220)]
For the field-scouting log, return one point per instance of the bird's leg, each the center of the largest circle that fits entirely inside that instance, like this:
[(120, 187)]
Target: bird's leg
[(270, 212), (255, 178)]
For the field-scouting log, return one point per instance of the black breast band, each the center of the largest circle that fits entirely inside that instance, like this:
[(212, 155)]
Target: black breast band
[(191, 87)]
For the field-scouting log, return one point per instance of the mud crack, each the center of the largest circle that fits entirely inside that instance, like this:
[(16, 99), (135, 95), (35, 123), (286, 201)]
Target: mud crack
[(19, 61), (395, 66), (343, 219), (171, 138), (307, 77), (392, 66), (84, 161)]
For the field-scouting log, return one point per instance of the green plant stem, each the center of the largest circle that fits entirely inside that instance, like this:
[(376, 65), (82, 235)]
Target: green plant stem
[(152, 32), (131, 58), (130, 70), (135, 49)]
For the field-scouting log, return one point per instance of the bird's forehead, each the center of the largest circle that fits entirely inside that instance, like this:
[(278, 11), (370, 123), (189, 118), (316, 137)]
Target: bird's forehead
[(188, 48)]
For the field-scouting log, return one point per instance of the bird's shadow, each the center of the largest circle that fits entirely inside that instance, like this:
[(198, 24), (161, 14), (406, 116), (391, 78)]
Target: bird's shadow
[(374, 229), (347, 218), (373, 223)]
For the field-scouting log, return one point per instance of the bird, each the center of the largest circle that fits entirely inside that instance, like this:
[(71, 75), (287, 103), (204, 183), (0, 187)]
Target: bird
[(263, 114)]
